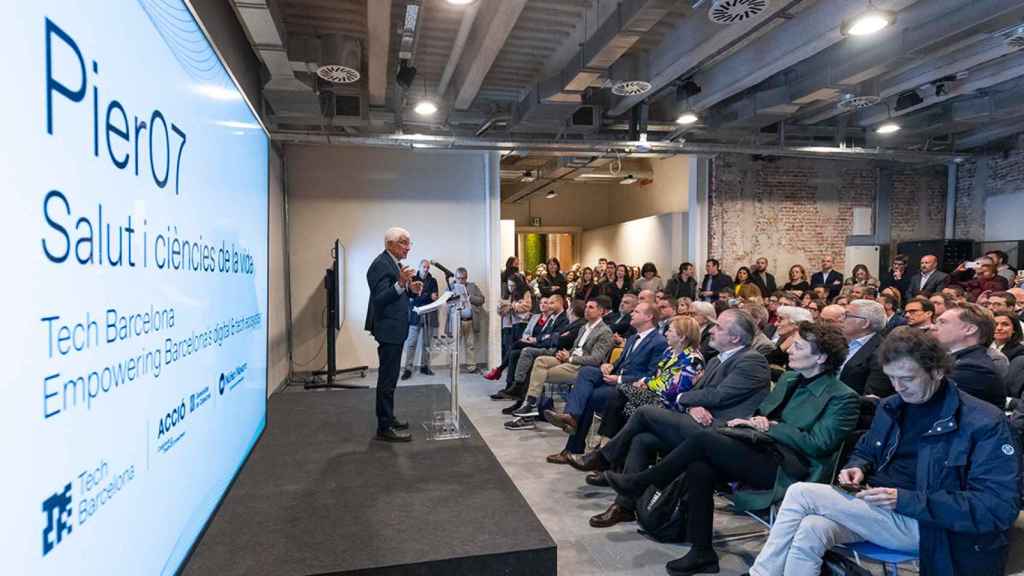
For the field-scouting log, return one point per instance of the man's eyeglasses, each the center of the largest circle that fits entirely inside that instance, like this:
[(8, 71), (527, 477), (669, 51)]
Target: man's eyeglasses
[(913, 310)]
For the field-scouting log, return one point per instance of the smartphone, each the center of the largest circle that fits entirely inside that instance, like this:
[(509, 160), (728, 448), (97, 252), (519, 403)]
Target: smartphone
[(972, 265), (851, 489)]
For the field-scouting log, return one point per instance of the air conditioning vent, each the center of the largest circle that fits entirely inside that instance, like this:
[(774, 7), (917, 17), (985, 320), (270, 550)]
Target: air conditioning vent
[(733, 11), (340, 59), (631, 88), (851, 102)]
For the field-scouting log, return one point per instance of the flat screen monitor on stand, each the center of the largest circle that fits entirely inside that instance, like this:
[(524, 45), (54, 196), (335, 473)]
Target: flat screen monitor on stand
[(334, 285)]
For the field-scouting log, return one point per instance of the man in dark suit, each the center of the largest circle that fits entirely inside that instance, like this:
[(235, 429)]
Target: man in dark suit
[(966, 332), (732, 386), (862, 325), (828, 277), (930, 280), (545, 343), (594, 386), (763, 279), (387, 318), (898, 277), (714, 281)]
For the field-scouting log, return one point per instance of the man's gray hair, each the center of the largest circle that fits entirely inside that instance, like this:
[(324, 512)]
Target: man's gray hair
[(795, 314), (704, 309), (871, 311), (396, 234), (743, 326), (462, 270)]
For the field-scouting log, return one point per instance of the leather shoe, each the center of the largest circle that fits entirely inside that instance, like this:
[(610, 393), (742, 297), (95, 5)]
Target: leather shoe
[(560, 458), (502, 395), (612, 516), (392, 435), (508, 411), (624, 486), (596, 479), (406, 374), (697, 561), (426, 371), (399, 425), (564, 421), (589, 462)]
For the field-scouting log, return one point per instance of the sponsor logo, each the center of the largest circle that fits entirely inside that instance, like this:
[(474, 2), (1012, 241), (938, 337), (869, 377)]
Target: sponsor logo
[(230, 380), (57, 510)]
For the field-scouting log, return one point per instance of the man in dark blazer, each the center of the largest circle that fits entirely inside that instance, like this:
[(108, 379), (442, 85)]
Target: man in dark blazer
[(828, 277), (714, 281), (862, 326), (930, 280), (966, 333), (387, 318), (763, 279), (732, 386), (594, 386)]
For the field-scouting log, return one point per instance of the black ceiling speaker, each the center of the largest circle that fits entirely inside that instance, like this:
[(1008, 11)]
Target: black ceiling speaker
[(406, 74), (908, 100)]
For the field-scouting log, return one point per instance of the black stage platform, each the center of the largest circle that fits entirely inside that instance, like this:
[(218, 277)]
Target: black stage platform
[(320, 496)]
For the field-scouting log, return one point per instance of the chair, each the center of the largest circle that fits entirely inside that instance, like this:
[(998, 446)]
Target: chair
[(889, 559)]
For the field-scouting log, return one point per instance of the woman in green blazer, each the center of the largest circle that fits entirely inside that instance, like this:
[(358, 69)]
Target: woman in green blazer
[(793, 436)]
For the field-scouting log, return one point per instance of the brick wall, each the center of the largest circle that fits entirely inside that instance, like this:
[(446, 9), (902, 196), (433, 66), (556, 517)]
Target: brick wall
[(981, 178), (796, 211)]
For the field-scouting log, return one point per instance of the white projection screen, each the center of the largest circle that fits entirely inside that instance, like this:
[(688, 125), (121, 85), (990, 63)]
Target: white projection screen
[(134, 333)]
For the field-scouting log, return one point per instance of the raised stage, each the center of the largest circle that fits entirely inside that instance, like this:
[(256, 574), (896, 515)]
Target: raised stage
[(320, 496)]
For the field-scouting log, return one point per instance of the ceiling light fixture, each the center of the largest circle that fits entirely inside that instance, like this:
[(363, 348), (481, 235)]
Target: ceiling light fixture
[(528, 176), (628, 180), (868, 23), (551, 194), (642, 144), (460, 2), (687, 118), (888, 128), (425, 108)]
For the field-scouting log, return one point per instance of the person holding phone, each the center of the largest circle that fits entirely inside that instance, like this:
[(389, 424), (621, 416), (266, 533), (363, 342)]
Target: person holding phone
[(937, 474)]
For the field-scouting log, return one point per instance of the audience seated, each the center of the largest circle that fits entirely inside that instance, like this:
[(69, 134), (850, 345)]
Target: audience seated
[(862, 325), (591, 348), (706, 316), (941, 303), (732, 386), (861, 278), (531, 346), (595, 385), (665, 311), (966, 332), (937, 475), (891, 303), (678, 368), (1007, 339), (793, 435), (762, 343), (785, 333), (983, 279), (619, 321), (919, 313)]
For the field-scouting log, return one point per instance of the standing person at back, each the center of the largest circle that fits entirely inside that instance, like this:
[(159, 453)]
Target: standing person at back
[(828, 277), (714, 281), (387, 318), (929, 280), (762, 278)]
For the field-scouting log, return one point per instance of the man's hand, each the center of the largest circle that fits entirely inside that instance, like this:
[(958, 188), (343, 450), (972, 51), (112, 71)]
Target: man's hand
[(405, 275), (738, 422), (611, 379), (416, 287), (853, 476), (618, 340), (562, 356), (528, 339), (606, 369), (701, 415), (882, 497)]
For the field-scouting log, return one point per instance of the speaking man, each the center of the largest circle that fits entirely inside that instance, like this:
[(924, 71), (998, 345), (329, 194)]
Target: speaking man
[(387, 318)]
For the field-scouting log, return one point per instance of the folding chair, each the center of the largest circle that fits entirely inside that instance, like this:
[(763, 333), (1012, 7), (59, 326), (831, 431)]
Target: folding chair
[(889, 559)]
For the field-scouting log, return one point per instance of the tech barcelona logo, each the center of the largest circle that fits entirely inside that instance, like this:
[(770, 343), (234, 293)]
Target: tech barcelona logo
[(229, 380), (57, 509)]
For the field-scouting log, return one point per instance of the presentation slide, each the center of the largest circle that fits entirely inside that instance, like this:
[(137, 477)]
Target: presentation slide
[(134, 333)]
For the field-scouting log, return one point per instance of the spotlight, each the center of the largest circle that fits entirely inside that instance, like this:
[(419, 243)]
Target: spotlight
[(460, 2), (551, 194), (687, 118), (868, 23), (406, 74), (888, 128), (528, 176), (908, 100), (628, 180), (425, 108)]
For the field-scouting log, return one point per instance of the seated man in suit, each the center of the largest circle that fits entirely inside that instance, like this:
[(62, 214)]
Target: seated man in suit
[(828, 277), (732, 386), (705, 315), (862, 326), (619, 322), (543, 343), (590, 349), (594, 386), (966, 333), (929, 280), (920, 313)]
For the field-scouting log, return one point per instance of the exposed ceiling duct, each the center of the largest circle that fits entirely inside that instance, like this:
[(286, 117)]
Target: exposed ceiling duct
[(556, 98), (285, 93)]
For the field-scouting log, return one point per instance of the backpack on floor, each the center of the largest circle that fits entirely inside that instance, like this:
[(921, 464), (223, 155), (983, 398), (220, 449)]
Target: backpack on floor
[(662, 513)]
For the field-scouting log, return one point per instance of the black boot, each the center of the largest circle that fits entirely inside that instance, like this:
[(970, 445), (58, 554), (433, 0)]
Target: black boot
[(699, 560)]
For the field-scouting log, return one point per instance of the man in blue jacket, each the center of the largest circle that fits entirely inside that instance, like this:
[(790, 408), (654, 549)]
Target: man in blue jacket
[(594, 386), (937, 474)]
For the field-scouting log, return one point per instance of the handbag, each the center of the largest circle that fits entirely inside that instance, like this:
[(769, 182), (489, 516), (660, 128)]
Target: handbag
[(662, 513)]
